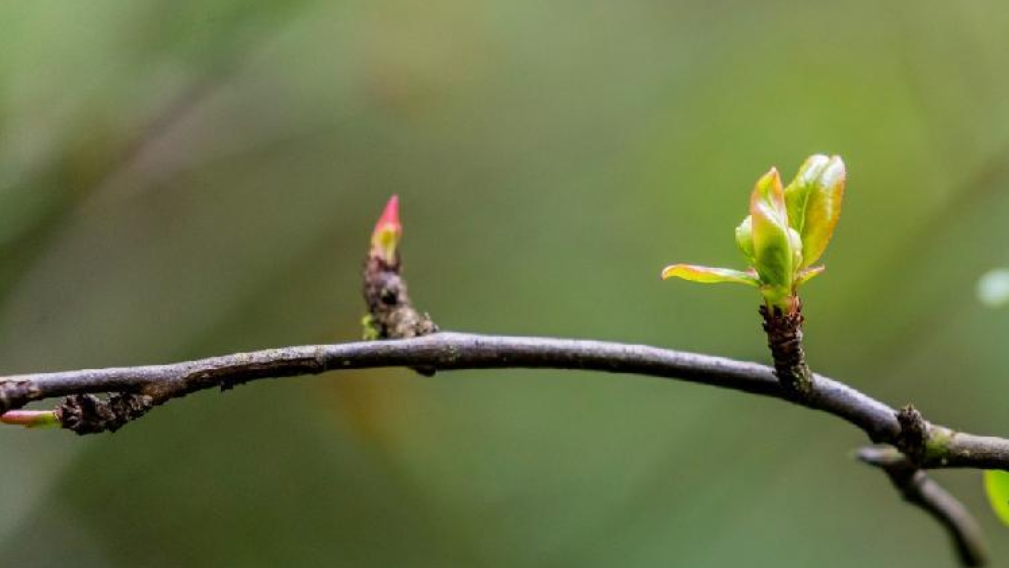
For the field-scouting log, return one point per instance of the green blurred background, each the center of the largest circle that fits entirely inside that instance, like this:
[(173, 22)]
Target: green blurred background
[(180, 179)]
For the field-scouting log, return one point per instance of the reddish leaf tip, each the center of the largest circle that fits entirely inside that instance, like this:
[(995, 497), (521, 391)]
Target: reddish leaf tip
[(390, 216), (388, 230)]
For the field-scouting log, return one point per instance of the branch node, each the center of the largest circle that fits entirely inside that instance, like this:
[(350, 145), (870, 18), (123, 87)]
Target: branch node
[(392, 315), (913, 438), (784, 338), (89, 414)]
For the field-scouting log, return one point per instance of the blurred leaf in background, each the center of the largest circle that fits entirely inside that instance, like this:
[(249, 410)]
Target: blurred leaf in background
[(993, 287), (996, 484), (180, 179)]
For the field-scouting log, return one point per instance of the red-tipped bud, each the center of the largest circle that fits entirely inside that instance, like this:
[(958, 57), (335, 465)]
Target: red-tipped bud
[(30, 418), (388, 231)]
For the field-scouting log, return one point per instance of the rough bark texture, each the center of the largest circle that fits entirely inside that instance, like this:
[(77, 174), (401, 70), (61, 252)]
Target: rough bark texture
[(913, 438), (391, 315), (784, 338), (88, 414)]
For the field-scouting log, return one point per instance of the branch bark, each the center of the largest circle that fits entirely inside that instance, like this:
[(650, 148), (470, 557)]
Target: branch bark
[(913, 442), (141, 388), (447, 351), (922, 491), (410, 339)]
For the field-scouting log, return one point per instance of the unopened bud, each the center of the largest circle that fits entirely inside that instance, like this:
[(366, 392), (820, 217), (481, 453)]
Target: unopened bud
[(30, 418), (388, 231)]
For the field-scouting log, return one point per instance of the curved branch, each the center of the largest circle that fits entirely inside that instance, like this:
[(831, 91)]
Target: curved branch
[(408, 342), (922, 491), (445, 351), (140, 388)]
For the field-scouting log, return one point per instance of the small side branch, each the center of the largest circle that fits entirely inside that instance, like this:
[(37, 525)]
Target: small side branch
[(922, 491), (784, 339), (902, 466)]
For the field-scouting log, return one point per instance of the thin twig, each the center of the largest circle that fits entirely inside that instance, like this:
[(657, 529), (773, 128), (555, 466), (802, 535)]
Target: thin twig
[(147, 386), (784, 336), (922, 491), (445, 351)]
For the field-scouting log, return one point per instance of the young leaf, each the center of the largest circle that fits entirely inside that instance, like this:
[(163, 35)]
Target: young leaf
[(996, 485), (774, 249), (744, 238), (807, 274), (814, 203), (708, 275), (786, 231)]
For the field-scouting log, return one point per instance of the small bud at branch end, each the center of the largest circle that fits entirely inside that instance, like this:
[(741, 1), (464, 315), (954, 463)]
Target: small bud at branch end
[(388, 231)]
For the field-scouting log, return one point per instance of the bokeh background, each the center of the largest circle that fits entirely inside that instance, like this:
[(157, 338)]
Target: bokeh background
[(180, 179)]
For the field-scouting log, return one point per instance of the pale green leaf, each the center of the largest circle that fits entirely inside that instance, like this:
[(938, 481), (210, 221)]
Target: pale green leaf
[(708, 275), (744, 238), (813, 202), (773, 248), (996, 485), (807, 274)]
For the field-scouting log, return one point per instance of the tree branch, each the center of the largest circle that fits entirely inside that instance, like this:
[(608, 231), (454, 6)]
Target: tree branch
[(446, 351), (922, 491), (913, 440), (142, 388), (410, 339)]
